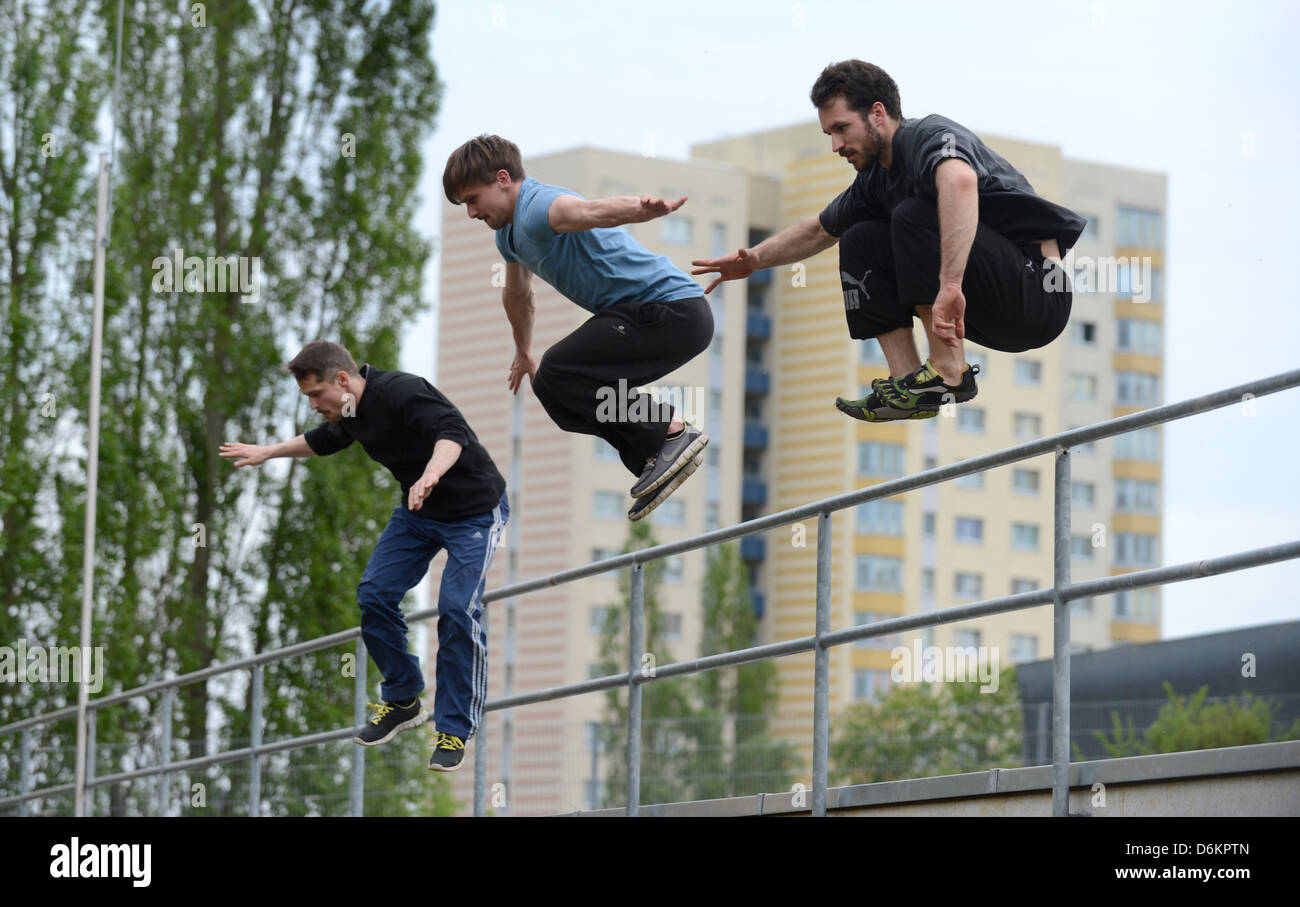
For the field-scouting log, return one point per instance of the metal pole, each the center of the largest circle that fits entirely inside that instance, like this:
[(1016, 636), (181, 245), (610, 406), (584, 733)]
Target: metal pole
[(822, 667), (164, 791), (635, 645), (92, 484), (512, 577), (357, 795), (1061, 642), (255, 741), (25, 772), (1042, 735), (480, 770), (88, 798)]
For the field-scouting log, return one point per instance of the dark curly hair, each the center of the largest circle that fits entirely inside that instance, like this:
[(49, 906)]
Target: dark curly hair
[(860, 84)]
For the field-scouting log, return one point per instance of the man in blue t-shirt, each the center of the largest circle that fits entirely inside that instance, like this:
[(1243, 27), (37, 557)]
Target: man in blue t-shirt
[(648, 318), (935, 225)]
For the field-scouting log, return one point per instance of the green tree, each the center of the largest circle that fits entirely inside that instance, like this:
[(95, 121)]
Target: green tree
[(733, 753), (924, 730), (1187, 723)]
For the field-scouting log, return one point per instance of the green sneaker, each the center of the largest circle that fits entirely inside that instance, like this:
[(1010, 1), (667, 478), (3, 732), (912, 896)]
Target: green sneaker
[(915, 396)]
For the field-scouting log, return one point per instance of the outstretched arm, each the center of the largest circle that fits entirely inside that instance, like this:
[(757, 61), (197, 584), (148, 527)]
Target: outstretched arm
[(568, 213), (256, 455), (794, 243)]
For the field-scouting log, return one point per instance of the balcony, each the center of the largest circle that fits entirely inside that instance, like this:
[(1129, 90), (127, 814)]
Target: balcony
[(757, 381), (755, 436), (753, 491), (756, 598), (764, 276), (753, 548), (758, 326)]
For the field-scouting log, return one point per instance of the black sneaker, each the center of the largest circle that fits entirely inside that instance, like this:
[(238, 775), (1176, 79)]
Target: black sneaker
[(648, 502), (918, 395), (390, 718), (678, 450), (448, 753)]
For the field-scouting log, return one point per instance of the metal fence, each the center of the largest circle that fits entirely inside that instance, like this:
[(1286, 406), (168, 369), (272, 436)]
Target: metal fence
[(1059, 596)]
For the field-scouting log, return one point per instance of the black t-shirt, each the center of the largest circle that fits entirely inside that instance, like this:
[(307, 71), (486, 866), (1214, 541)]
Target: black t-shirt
[(398, 419), (1008, 204)]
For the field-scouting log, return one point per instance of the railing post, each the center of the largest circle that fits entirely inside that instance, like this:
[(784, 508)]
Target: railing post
[(25, 771), (165, 758), (357, 795), (254, 742), (822, 668), (88, 794), (1061, 642), (635, 645)]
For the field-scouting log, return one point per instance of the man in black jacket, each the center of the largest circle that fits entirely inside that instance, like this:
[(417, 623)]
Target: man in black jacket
[(935, 225), (453, 497)]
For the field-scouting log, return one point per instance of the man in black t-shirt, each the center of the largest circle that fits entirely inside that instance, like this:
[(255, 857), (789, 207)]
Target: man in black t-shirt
[(453, 497), (935, 225)]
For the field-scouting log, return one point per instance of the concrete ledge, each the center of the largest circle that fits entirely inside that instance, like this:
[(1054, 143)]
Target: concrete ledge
[(1022, 790)]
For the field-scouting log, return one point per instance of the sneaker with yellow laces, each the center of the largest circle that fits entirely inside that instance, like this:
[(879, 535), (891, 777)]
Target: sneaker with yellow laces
[(448, 753), (390, 718), (918, 395)]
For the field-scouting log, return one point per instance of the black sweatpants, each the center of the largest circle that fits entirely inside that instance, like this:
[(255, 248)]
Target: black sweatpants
[(577, 381), (1014, 301)]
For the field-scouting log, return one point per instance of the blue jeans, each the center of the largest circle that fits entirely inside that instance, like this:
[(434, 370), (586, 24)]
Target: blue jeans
[(400, 560)]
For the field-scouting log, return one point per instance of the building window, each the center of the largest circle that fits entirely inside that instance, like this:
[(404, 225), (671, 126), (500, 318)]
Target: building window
[(1137, 388), (875, 642), (1083, 494), (970, 419), (928, 524), (608, 505), (968, 586), (1027, 426), (1081, 547), (672, 625), (1028, 371), (670, 513), (1024, 536), (1023, 585), (970, 530), (880, 518), (1083, 333), (868, 685), (966, 639), (1144, 283), (711, 521), (927, 580), (1137, 496), (1136, 335), (1024, 481), (1136, 604), (1023, 647), (674, 568), (930, 462), (1139, 227), (1082, 605), (1087, 447), (1135, 548), (1090, 228), (676, 229), (880, 459), (605, 452), (599, 614), (1083, 387), (1142, 444), (879, 574), (718, 239)]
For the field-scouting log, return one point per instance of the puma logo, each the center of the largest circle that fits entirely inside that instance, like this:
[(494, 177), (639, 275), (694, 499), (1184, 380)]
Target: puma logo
[(851, 300)]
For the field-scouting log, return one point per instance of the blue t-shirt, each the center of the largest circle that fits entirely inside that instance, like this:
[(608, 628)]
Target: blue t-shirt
[(594, 268)]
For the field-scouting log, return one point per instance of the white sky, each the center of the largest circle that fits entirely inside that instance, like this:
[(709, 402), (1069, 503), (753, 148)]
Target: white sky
[(1204, 92)]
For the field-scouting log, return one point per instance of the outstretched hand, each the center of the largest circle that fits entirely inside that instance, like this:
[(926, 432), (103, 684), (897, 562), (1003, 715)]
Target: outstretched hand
[(728, 267), (655, 207), (252, 454)]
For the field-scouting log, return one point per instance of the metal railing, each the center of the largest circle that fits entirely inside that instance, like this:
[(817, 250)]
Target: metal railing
[(823, 639)]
